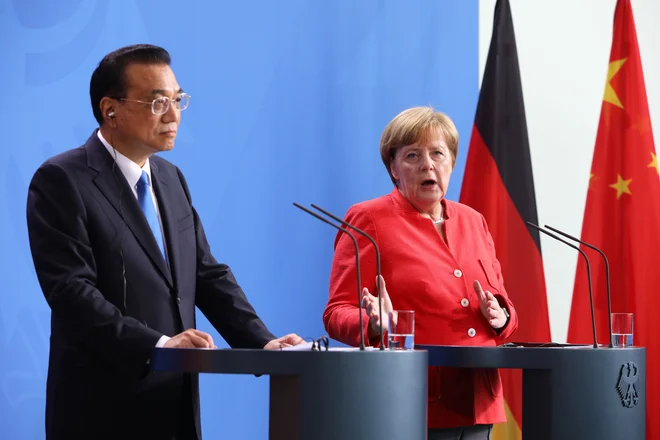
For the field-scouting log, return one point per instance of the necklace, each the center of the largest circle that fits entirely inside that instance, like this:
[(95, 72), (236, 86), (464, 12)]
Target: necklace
[(440, 220)]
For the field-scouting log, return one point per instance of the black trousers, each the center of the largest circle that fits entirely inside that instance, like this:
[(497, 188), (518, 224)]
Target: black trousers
[(186, 427)]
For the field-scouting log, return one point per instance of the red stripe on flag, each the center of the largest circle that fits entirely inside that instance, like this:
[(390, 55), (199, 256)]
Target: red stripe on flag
[(622, 213), (522, 267)]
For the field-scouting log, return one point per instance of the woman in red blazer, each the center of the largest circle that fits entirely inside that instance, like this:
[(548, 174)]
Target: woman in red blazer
[(438, 259)]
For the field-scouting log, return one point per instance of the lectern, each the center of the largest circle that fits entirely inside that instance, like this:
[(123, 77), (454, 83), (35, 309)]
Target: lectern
[(323, 395), (569, 391)]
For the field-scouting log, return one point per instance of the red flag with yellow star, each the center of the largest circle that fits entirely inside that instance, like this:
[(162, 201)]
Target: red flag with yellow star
[(622, 214)]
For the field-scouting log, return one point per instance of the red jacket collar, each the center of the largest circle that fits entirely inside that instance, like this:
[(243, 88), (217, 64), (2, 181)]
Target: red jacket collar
[(404, 204)]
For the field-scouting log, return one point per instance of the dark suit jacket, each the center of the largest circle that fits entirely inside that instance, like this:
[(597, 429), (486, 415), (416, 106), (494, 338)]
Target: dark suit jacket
[(84, 222)]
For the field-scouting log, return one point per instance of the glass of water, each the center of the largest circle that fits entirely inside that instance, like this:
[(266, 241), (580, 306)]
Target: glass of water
[(622, 329), (401, 330)]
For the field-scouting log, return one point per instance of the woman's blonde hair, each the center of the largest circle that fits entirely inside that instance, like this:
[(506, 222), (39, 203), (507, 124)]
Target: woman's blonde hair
[(416, 124)]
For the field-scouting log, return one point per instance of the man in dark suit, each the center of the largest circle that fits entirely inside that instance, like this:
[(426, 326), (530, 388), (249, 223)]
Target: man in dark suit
[(123, 260)]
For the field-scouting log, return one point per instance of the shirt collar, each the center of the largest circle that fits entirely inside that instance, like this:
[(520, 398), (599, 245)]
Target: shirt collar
[(130, 169)]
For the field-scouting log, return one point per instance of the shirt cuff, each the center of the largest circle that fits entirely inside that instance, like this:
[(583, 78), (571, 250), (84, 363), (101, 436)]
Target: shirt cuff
[(161, 342)]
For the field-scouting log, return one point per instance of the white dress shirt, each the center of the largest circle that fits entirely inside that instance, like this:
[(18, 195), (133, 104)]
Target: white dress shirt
[(133, 172)]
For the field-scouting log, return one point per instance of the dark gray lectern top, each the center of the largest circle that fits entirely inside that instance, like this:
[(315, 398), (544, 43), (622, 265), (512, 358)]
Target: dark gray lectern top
[(528, 356), (279, 362)]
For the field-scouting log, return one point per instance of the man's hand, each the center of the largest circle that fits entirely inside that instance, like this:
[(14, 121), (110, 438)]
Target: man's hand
[(191, 338), (284, 341)]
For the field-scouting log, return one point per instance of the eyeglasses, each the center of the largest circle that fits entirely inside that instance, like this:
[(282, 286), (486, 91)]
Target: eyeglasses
[(317, 343), (320, 344), (160, 106)]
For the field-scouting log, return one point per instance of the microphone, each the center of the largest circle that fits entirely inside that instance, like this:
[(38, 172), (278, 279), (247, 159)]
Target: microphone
[(380, 306), (591, 296), (607, 275), (357, 262)]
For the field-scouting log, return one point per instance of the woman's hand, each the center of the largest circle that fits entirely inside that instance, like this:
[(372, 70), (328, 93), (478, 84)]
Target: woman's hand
[(370, 304), (490, 308)]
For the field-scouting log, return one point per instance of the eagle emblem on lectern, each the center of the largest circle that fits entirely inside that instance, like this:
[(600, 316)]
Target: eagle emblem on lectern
[(626, 384)]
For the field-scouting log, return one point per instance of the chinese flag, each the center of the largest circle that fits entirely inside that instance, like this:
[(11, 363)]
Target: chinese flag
[(498, 183), (622, 213)]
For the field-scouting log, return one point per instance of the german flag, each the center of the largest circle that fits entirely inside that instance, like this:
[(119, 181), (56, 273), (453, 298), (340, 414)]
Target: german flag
[(498, 182)]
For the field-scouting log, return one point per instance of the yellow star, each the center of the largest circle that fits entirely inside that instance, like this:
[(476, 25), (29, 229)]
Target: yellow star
[(621, 186), (592, 176), (610, 94), (654, 162)]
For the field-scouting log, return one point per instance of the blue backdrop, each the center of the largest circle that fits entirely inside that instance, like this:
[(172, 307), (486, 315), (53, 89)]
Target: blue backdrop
[(288, 103)]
